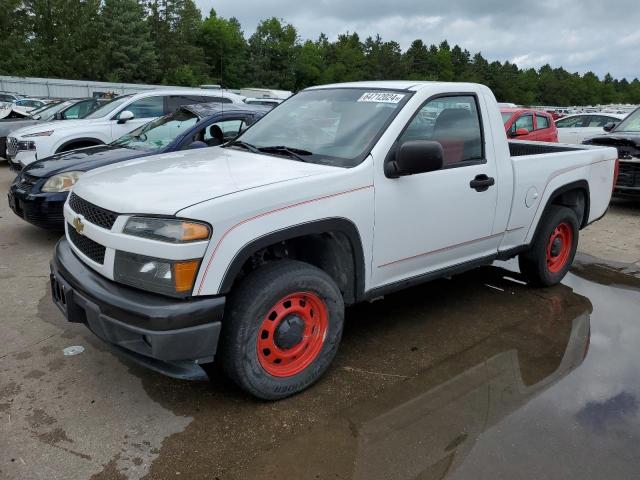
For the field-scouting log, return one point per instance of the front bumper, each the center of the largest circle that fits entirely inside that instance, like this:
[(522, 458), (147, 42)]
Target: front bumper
[(168, 335), (44, 210)]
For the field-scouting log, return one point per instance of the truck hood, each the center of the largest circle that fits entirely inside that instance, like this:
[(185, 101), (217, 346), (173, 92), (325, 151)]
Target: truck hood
[(164, 184)]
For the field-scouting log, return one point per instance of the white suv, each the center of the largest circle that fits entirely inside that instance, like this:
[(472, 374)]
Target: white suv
[(105, 124)]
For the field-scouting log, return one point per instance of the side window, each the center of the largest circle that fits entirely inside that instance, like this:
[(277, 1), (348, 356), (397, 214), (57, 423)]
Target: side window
[(570, 122), (147, 107), (79, 110), (601, 121), (542, 122), (221, 132), (525, 121), (177, 101), (453, 122)]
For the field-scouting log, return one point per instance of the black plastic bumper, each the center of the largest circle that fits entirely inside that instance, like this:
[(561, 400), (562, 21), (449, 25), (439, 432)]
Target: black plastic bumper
[(44, 210), (168, 335)]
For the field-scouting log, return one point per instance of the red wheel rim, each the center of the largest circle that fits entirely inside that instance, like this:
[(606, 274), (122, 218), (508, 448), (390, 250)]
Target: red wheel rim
[(308, 315), (559, 247)]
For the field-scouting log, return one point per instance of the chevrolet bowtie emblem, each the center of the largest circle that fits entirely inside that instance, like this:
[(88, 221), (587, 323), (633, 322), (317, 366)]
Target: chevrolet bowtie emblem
[(78, 225)]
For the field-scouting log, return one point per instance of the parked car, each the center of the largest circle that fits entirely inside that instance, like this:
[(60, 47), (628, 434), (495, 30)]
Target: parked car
[(528, 124), (114, 119), (29, 104), (63, 110), (342, 194), (38, 192), (579, 127), (9, 97), (266, 102), (626, 138)]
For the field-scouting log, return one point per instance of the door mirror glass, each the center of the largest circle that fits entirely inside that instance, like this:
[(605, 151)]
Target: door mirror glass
[(416, 156), (609, 126), (125, 116)]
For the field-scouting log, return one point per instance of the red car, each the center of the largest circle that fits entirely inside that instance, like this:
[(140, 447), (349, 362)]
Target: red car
[(528, 124)]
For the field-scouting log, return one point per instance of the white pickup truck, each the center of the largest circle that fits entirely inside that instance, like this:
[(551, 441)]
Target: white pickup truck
[(249, 252)]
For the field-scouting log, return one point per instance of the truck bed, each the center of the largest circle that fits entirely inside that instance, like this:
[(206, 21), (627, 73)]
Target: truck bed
[(519, 148)]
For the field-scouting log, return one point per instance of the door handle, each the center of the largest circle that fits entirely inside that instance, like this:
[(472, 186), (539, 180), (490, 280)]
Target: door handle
[(482, 183)]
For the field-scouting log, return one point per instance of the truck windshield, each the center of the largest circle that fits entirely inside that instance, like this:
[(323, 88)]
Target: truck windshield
[(630, 124), (159, 133), (331, 126)]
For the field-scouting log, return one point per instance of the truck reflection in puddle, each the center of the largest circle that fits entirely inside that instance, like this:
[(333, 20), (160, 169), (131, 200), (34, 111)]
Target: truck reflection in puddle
[(424, 427)]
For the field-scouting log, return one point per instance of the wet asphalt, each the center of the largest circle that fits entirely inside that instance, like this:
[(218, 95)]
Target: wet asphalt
[(478, 376)]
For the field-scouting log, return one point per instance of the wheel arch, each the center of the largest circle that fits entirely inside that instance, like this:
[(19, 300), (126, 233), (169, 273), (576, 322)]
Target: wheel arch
[(333, 244), (88, 141), (574, 195)]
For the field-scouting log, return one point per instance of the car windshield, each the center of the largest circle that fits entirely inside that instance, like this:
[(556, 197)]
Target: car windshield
[(630, 124), (506, 116), (107, 108), (159, 133), (48, 113), (330, 126), (42, 108)]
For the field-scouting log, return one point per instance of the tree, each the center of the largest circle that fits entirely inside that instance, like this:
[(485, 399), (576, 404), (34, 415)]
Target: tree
[(174, 26), (225, 50), (129, 52), (272, 50)]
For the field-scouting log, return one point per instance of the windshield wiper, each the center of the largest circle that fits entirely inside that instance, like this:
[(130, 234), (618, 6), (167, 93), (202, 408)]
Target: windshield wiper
[(290, 151), (245, 145)]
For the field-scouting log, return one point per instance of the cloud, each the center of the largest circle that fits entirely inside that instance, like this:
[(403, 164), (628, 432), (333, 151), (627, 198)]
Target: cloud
[(589, 35)]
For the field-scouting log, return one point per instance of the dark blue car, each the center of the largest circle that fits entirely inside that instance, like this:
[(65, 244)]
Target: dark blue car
[(38, 193)]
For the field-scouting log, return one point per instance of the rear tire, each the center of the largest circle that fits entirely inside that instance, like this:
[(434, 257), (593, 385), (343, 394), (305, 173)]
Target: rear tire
[(553, 250), (282, 329)]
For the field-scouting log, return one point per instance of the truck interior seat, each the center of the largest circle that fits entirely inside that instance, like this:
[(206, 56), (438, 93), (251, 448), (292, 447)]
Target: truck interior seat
[(217, 136)]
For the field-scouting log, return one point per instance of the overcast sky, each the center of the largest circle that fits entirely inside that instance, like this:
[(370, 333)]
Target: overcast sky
[(580, 35)]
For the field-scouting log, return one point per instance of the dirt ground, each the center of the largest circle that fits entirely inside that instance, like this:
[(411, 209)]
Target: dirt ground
[(426, 384)]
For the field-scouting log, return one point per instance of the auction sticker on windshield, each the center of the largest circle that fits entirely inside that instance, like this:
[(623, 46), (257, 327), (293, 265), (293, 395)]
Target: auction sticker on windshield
[(381, 97)]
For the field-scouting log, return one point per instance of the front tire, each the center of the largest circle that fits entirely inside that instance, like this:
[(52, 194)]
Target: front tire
[(282, 329), (553, 250)]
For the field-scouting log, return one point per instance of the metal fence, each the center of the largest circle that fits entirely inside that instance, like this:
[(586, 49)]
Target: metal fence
[(60, 88)]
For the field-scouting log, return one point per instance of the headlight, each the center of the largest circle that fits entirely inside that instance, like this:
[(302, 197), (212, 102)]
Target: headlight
[(167, 229), (39, 134), (168, 277), (61, 182), (26, 145)]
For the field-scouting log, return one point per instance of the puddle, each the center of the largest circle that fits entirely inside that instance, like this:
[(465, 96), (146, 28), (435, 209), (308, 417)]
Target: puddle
[(448, 380)]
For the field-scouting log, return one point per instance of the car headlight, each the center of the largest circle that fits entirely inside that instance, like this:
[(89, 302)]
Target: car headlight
[(46, 133), (171, 230), (61, 182), (26, 145), (168, 277)]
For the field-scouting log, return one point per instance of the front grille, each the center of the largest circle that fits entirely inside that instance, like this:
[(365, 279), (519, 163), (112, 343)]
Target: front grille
[(629, 175), (3, 147), (26, 182), (92, 213), (12, 146), (91, 249)]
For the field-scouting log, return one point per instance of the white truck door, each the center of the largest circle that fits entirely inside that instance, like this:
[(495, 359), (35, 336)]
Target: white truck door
[(144, 110), (430, 221)]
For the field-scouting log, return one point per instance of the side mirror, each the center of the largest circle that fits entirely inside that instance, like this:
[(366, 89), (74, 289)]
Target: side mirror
[(520, 132), (125, 116), (196, 144), (58, 116), (415, 156), (609, 126)]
